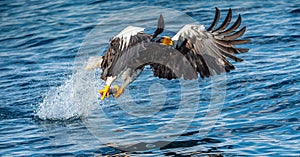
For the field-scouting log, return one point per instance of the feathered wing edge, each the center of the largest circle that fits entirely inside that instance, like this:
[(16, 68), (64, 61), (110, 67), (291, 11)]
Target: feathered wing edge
[(207, 50), (227, 39), (119, 43)]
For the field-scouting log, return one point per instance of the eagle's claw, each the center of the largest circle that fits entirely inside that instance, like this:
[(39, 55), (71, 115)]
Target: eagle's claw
[(104, 92)]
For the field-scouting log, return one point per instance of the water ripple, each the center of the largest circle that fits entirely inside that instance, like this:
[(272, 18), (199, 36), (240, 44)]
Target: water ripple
[(42, 112)]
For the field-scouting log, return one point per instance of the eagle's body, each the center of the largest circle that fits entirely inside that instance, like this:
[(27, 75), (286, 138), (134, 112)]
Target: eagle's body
[(193, 50)]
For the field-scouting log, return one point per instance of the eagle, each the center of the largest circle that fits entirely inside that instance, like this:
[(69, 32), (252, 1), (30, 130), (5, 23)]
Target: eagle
[(192, 52)]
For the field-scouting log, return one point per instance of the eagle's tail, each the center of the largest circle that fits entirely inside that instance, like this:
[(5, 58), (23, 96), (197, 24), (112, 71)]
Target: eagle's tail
[(160, 26)]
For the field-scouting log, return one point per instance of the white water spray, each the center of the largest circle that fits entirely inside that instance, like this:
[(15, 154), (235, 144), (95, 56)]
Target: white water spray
[(75, 98)]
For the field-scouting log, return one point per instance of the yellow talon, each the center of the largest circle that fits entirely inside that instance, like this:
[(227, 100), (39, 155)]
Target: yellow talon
[(119, 92), (104, 92)]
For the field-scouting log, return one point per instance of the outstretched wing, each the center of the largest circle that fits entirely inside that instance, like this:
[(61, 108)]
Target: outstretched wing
[(207, 50), (126, 42), (127, 38)]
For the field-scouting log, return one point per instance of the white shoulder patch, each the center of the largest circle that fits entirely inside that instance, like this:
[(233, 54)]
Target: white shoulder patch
[(126, 34), (187, 30)]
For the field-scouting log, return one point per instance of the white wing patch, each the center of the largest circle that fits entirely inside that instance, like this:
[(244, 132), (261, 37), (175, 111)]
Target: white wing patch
[(186, 31), (126, 34)]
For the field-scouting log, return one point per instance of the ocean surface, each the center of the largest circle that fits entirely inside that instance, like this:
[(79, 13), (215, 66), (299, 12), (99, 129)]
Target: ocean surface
[(50, 106)]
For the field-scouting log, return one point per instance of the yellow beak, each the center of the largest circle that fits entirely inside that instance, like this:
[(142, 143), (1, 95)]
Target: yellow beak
[(167, 41)]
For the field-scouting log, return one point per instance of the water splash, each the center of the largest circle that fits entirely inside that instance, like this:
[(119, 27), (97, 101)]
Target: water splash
[(75, 98)]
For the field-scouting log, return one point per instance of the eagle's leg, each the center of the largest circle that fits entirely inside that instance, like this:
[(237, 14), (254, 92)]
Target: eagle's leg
[(128, 76), (105, 91)]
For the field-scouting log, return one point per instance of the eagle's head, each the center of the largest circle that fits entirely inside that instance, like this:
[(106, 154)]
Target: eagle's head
[(165, 40)]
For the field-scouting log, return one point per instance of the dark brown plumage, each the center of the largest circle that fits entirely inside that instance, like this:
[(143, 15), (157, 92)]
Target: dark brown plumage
[(114, 53)]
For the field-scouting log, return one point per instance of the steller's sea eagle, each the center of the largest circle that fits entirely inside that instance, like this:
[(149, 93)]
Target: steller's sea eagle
[(192, 50)]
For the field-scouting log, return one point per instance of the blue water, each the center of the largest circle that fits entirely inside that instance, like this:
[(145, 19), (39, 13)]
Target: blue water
[(50, 107)]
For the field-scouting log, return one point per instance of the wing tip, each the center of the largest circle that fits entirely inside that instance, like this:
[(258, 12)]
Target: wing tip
[(216, 19)]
